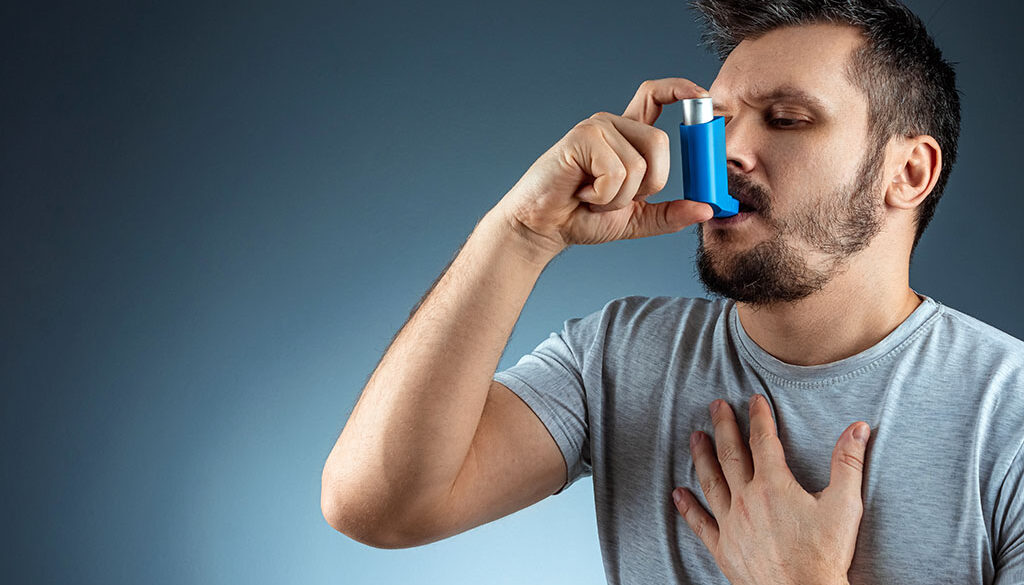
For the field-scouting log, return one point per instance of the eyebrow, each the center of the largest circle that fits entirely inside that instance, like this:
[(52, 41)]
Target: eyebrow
[(790, 93)]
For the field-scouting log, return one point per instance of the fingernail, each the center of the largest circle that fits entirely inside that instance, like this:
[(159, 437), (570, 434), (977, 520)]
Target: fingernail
[(677, 495), (715, 406), (861, 432), (693, 439)]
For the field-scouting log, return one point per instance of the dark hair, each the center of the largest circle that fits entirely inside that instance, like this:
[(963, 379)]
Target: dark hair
[(911, 90)]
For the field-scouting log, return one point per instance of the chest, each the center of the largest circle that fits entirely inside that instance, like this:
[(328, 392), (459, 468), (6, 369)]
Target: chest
[(924, 515)]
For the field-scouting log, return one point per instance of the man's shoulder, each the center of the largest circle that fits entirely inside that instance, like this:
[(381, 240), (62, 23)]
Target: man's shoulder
[(636, 310), (642, 303), (967, 348), (653, 320), (960, 328)]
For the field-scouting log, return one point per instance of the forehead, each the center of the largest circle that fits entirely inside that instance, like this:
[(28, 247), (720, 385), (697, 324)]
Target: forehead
[(809, 59)]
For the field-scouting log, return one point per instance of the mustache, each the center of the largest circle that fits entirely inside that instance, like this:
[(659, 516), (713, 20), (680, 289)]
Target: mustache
[(749, 193)]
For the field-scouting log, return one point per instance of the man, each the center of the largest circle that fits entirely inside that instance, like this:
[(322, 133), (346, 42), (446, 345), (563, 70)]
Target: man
[(841, 129)]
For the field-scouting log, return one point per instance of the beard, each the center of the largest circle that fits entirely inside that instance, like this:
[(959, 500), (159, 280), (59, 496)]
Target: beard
[(776, 270)]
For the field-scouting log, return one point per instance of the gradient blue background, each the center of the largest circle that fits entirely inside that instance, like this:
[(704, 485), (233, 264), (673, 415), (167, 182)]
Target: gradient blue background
[(216, 216)]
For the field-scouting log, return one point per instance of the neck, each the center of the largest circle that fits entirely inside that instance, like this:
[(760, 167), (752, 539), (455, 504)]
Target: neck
[(854, 311)]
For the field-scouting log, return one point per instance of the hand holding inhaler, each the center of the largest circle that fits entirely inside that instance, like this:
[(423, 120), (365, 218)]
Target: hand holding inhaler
[(590, 187)]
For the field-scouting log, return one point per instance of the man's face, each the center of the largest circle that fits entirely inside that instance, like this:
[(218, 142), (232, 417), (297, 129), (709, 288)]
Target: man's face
[(804, 165)]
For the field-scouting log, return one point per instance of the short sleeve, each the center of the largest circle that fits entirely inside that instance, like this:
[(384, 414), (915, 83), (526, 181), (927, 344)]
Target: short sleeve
[(1009, 560), (550, 381)]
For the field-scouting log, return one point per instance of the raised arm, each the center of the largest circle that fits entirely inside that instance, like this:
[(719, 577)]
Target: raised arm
[(433, 446)]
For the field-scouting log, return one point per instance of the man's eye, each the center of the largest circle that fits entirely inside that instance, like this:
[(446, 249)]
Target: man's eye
[(785, 122)]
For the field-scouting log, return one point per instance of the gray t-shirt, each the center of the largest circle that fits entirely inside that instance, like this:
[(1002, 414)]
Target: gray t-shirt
[(621, 389)]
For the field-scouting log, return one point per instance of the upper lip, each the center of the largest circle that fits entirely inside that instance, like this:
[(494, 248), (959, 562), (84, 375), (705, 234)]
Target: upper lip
[(737, 187), (744, 201)]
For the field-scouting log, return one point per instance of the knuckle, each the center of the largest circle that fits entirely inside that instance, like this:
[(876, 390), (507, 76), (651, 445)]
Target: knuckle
[(847, 506), (602, 115), (761, 489), (587, 125), (638, 164), (762, 440), (587, 131), (617, 172), (852, 461), (854, 508), (740, 504), (661, 139), (710, 485), (659, 183), (700, 528), (728, 455), (647, 85)]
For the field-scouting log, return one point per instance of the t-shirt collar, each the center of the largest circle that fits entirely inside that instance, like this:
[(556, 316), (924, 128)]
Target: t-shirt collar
[(828, 373)]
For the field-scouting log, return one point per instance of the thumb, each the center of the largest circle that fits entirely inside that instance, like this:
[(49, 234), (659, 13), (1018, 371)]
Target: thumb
[(667, 217), (848, 461)]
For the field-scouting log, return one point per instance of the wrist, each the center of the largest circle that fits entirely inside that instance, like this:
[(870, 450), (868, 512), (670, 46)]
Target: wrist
[(514, 237), (819, 577), (835, 581)]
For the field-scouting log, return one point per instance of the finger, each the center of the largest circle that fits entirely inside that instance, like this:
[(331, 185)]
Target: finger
[(732, 451), (701, 523), (666, 217), (848, 461), (631, 159), (709, 474), (765, 447), (595, 157), (652, 143), (654, 93)]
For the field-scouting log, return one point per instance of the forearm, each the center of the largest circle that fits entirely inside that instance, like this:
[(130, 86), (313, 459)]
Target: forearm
[(411, 429)]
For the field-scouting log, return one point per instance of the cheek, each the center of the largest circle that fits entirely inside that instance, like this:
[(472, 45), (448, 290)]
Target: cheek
[(796, 186), (804, 172), (785, 159)]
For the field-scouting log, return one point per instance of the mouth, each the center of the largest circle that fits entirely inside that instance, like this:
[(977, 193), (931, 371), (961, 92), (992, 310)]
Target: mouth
[(745, 212), (746, 207)]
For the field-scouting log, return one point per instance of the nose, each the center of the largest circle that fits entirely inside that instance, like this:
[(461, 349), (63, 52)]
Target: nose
[(740, 143)]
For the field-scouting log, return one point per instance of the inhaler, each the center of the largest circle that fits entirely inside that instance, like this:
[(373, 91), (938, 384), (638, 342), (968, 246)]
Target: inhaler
[(702, 136)]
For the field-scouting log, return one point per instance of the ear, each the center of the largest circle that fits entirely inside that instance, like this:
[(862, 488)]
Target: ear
[(919, 160)]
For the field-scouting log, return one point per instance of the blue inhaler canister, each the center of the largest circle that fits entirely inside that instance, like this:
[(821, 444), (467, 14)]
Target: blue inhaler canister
[(702, 136)]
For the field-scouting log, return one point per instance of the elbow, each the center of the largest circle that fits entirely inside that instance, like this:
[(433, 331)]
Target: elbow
[(353, 520), (357, 530), (333, 512), (364, 523), (368, 531)]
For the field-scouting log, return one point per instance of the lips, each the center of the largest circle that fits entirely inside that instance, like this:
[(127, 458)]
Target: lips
[(723, 222), (741, 195), (747, 193), (744, 207)]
